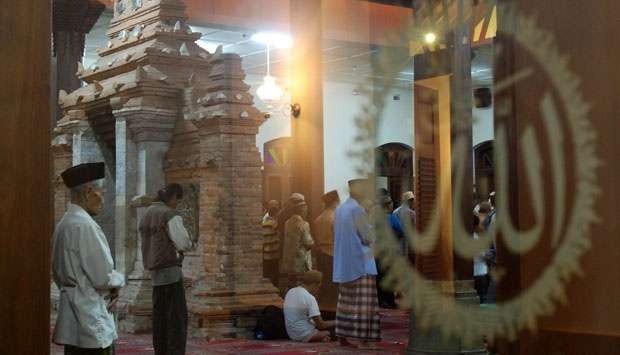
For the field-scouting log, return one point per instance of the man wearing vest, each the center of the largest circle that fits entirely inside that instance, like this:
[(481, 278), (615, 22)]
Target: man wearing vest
[(164, 239)]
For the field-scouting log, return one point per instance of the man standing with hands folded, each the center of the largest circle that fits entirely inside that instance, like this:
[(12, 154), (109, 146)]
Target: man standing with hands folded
[(164, 240), (83, 268), (357, 316)]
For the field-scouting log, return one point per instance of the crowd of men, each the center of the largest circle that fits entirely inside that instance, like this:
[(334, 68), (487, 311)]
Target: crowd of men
[(340, 241), (337, 246), (333, 260)]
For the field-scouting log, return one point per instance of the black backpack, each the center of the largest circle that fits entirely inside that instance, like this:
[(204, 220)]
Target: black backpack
[(270, 324)]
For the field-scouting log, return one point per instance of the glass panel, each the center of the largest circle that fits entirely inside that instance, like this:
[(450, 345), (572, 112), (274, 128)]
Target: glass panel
[(440, 158)]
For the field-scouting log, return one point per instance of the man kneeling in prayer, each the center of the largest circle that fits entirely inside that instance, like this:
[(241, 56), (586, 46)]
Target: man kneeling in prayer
[(301, 311)]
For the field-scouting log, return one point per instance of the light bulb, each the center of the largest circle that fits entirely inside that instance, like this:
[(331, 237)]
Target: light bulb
[(430, 38), (269, 91)]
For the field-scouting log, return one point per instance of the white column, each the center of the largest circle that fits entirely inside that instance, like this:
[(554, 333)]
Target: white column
[(150, 173), (125, 226)]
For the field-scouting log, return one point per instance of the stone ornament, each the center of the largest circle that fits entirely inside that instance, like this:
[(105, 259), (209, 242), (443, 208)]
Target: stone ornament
[(120, 7), (137, 31), (177, 26), (184, 51), (123, 35)]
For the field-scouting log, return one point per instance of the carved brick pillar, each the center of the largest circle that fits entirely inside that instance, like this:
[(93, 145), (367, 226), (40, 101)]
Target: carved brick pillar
[(231, 286), (132, 101), (143, 131)]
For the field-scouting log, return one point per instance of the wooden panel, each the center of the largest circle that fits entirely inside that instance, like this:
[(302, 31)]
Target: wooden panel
[(26, 209), (587, 34), (427, 173), (426, 193), (570, 343)]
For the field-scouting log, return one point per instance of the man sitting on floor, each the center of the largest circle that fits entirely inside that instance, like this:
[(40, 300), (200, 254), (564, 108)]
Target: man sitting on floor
[(301, 311)]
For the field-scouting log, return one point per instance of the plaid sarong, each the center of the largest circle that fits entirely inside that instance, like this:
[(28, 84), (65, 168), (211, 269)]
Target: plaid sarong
[(357, 315)]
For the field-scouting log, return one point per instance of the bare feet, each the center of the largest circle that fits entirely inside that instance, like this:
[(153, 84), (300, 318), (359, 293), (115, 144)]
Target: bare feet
[(345, 342), (319, 336)]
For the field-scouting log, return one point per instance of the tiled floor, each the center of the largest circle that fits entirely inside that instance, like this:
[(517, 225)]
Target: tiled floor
[(394, 327)]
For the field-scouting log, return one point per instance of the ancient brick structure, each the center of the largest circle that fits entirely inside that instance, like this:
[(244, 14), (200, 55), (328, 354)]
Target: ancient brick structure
[(158, 108)]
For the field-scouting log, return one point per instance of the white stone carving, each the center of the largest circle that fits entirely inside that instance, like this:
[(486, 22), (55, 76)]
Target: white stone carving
[(184, 50)]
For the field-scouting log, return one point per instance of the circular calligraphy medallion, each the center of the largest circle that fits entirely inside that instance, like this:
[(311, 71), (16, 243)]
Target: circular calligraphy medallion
[(569, 230)]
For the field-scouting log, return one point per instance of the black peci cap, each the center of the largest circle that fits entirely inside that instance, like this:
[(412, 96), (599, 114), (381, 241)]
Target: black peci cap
[(83, 173)]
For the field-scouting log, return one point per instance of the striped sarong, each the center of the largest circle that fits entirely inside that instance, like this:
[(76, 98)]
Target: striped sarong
[(357, 314)]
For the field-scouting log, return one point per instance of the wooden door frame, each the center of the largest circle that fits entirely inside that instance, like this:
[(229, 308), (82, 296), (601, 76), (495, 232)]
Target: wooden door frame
[(26, 209)]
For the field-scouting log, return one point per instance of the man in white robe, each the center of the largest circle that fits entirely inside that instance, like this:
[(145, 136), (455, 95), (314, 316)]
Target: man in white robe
[(83, 269)]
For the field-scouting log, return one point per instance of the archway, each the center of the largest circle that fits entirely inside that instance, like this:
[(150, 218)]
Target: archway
[(484, 164), (395, 162)]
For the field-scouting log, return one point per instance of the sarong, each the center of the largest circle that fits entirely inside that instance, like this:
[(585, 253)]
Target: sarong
[(357, 314)]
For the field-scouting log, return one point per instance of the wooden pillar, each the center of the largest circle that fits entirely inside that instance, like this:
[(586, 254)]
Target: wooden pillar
[(307, 91), (72, 20), (26, 208), (461, 130)]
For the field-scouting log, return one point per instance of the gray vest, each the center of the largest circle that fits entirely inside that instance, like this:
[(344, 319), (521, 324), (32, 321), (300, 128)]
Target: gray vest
[(158, 250)]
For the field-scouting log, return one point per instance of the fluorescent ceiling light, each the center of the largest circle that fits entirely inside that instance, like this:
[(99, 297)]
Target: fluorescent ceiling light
[(273, 39)]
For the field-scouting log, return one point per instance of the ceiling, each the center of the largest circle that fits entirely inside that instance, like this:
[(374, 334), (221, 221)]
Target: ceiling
[(343, 61)]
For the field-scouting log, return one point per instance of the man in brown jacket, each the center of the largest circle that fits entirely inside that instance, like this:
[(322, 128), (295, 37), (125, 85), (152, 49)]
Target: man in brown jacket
[(164, 239), (297, 243), (323, 230)]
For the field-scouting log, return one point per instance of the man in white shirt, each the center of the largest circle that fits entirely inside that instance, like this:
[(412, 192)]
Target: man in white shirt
[(405, 212), (164, 239), (83, 268), (481, 270), (301, 311)]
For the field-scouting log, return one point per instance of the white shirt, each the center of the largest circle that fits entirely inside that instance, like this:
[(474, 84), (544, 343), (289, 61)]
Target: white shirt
[(179, 235), (299, 308), (84, 272)]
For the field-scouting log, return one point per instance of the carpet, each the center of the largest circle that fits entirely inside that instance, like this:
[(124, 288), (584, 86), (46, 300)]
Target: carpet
[(394, 328)]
